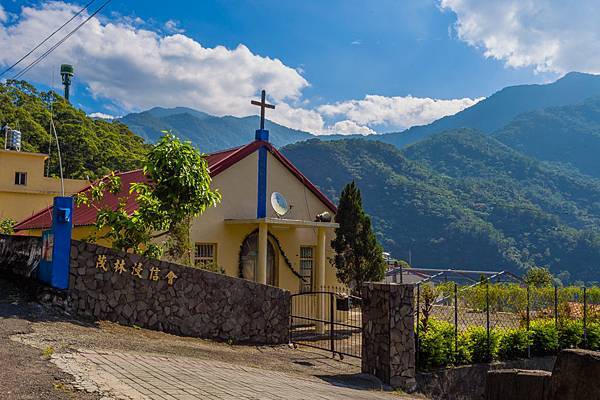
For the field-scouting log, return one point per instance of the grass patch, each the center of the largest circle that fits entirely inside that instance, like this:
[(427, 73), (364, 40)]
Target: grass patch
[(47, 352)]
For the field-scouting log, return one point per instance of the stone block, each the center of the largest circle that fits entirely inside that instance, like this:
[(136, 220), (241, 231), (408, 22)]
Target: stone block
[(517, 384), (576, 375)]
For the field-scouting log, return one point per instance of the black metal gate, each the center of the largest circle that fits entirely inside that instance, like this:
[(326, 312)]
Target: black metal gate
[(328, 321)]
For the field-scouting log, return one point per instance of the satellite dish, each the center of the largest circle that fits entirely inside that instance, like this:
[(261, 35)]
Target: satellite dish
[(279, 204)]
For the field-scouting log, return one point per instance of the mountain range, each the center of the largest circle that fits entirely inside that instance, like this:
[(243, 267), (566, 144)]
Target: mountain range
[(569, 135), (502, 107), (211, 133), (207, 132), (462, 199)]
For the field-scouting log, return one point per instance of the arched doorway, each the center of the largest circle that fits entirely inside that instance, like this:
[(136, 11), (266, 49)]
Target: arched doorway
[(249, 258)]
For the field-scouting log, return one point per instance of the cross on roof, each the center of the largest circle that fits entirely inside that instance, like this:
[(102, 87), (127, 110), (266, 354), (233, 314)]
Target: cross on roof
[(262, 104)]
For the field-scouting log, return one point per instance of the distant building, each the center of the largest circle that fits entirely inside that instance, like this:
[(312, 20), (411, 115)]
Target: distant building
[(24, 189)]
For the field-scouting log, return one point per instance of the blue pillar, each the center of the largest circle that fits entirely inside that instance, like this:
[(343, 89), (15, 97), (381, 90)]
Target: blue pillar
[(261, 202), (54, 268)]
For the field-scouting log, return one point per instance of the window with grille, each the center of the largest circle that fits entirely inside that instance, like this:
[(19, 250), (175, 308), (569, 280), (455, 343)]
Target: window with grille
[(205, 253), (20, 178), (306, 267)]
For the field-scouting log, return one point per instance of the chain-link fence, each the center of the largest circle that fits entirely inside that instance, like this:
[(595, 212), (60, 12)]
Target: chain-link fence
[(501, 318)]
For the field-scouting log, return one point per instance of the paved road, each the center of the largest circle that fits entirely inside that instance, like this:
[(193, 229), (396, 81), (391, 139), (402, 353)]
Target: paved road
[(137, 376)]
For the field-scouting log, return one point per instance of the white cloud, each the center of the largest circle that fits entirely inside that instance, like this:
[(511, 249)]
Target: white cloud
[(396, 112), (3, 15), (297, 118), (138, 68), (173, 27), (101, 115), (347, 127), (550, 35)]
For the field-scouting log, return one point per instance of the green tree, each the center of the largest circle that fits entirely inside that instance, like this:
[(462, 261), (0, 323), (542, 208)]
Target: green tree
[(6, 226), (539, 277), (179, 190), (358, 255), (90, 148)]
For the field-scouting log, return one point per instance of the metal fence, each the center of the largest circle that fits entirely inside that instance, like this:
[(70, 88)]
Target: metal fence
[(327, 320), (503, 303)]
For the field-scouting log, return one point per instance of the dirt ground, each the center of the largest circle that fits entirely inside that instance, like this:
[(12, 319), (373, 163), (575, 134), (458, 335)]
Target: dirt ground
[(25, 373), (31, 332)]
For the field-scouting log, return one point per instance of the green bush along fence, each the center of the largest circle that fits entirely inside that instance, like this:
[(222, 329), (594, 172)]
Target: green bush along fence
[(502, 321)]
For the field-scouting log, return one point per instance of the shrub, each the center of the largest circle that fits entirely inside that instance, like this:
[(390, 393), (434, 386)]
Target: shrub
[(436, 344), (544, 337), (477, 340), (593, 336), (570, 333), (464, 353), (513, 343)]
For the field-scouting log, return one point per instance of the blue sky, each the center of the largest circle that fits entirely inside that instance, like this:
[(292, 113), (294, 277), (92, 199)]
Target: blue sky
[(417, 59), (347, 48)]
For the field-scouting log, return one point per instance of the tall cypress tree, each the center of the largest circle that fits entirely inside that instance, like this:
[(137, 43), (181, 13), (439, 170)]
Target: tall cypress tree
[(358, 255)]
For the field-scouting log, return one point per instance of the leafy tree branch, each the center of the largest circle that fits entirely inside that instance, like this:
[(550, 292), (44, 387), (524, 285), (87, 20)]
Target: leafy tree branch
[(179, 190)]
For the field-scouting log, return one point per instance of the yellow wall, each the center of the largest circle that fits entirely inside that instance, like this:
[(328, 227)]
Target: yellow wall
[(238, 186), (21, 201)]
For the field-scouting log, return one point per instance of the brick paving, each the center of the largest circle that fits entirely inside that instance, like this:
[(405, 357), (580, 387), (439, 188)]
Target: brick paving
[(162, 378)]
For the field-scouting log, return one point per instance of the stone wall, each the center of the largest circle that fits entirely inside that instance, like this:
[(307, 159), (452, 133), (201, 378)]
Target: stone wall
[(517, 384), (133, 290), (574, 377), (468, 382), (20, 255), (388, 341)]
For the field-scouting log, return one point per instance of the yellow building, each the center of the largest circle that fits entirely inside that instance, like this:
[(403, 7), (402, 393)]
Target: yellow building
[(24, 189), (290, 251)]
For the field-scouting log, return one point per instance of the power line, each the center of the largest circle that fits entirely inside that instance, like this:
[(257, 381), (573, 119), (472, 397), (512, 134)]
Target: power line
[(51, 49), (47, 38)]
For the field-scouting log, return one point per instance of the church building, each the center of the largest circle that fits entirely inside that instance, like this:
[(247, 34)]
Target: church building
[(268, 227)]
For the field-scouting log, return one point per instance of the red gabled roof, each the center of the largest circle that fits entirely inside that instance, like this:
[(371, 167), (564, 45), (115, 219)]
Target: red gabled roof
[(217, 163)]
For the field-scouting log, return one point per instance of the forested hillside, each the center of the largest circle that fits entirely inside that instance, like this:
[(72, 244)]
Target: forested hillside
[(568, 134), (90, 148), (207, 132), (499, 109), (463, 199)]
